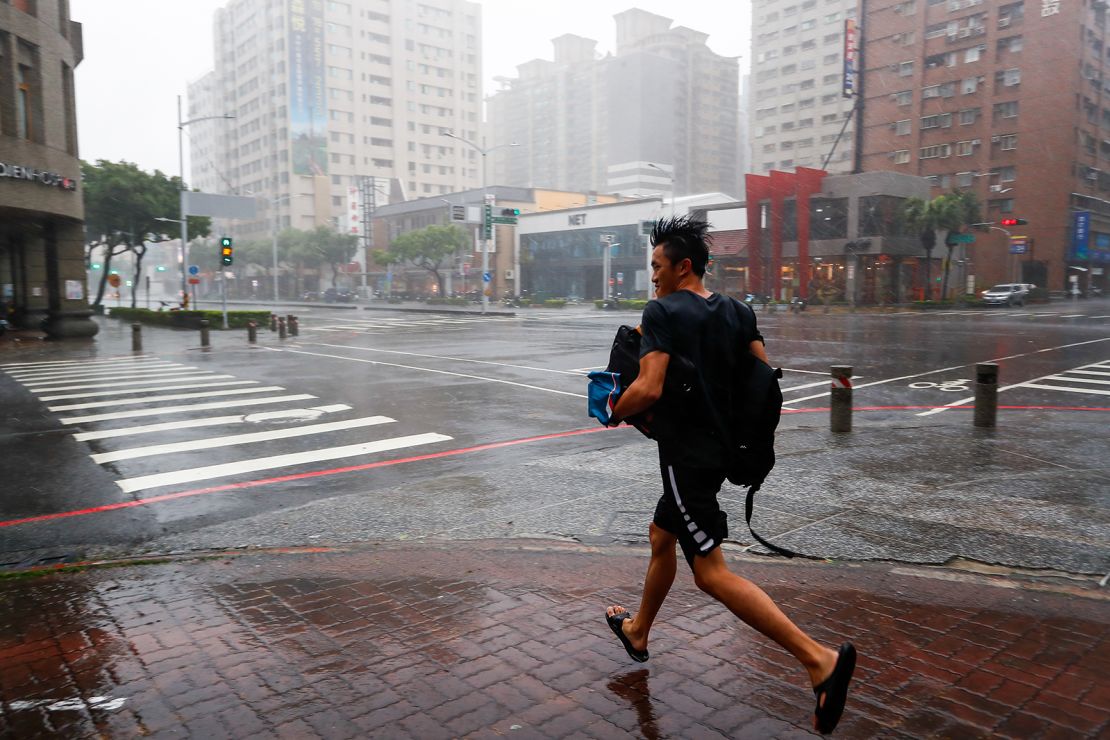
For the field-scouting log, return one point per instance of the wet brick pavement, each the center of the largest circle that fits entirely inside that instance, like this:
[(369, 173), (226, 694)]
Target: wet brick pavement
[(507, 638)]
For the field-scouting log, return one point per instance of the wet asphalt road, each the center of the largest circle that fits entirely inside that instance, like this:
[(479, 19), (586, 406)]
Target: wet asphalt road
[(428, 389)]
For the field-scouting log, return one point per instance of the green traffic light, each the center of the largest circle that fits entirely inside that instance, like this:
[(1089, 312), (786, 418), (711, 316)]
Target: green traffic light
[(96, 265)]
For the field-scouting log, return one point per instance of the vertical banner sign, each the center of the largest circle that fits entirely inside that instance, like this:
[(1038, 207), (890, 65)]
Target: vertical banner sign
[(354, 212), (308, 109), (1080, 234), (851, 57)]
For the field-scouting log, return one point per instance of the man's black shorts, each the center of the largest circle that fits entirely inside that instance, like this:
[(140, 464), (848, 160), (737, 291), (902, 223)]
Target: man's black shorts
[(689, 510)]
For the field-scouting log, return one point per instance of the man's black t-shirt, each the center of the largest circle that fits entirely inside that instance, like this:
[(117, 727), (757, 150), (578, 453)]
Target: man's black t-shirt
[(712, 333)]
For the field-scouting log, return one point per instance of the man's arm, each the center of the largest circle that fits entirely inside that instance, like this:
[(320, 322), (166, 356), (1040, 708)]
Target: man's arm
[(758, 350), (645, 390)]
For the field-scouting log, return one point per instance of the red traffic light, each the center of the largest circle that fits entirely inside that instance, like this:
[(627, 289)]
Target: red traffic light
[(1013, 222)]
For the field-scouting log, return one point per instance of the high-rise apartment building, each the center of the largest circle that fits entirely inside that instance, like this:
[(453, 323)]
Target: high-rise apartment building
[(1012, 101), (660, 115), (326, 93), (797, 108)]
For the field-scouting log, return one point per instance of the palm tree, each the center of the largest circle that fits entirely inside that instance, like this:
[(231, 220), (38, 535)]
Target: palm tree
[(948, 212)]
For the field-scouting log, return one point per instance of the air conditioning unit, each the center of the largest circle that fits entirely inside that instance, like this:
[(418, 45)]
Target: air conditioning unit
[(996, 139), (1003, 22), (510, 274), (964, 33)]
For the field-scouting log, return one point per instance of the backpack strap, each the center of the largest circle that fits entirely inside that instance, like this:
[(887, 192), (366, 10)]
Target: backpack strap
[(785, 552)]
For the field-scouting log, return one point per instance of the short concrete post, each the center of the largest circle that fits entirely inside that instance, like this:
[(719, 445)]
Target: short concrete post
[(252, 331), (273, 322), (136, 337), (986, 394), (840, 408), (294, 326), (281, 327), (204, 342)]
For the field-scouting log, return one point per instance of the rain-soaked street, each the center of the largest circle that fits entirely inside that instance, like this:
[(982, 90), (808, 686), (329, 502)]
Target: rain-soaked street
[(400, 425)]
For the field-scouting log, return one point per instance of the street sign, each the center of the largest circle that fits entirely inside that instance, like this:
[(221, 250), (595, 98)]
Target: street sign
[(458, 213), (962, 238), (194, 281), (646, 227), (194, 270), (1019, 244), (487, 221), (504, 219), (487, 277), (114, 280)]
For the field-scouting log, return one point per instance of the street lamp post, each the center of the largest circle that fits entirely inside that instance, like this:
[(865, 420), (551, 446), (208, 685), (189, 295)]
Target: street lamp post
[(485, 196), (181, 165), (670, 175)]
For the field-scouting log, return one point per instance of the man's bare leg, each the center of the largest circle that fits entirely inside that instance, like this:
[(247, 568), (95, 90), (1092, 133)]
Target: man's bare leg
[(751, 604), (660, 575)]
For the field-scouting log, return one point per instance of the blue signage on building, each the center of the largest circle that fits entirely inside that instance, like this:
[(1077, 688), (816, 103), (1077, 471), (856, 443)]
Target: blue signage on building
[(1080, 235)]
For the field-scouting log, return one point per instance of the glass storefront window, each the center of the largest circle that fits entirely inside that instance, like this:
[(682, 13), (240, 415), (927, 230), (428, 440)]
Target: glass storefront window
[(879, 215), (828, 218)]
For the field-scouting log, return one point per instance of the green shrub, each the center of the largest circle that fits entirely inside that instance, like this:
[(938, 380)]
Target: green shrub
[(634, 304), (191, 319), (554, 303)]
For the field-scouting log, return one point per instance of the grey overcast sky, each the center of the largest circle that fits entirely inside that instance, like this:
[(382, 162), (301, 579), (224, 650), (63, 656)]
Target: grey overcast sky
[(141, 54)]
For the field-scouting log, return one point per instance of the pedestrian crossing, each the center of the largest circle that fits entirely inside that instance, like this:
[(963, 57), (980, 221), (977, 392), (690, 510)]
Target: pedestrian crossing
[(418, 323), (103, 402), (1001, 313), (1091, 379)]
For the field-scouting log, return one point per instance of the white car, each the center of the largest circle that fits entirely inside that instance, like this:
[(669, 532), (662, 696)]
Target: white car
[(1007, 294)]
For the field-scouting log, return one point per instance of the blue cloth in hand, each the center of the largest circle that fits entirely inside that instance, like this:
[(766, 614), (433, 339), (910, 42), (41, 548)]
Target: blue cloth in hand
[(603, 393)]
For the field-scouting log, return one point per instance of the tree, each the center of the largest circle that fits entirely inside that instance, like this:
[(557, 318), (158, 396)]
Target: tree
[(122, 205), (333, 248), (948, 212), (426, 248)]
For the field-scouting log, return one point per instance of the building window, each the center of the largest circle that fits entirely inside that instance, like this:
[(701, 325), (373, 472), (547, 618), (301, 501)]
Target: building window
[(966, 148), (903, 127), (1002, 205), (968, 116), (938, 151), (828, 218), (1008, 109), (905, 97), (1006, 174), (970, 85), (1007, 142), (940, 120), (1009, 44), (902, 156), (905, 69), (974, 53), (964, 179), (1007, 77)]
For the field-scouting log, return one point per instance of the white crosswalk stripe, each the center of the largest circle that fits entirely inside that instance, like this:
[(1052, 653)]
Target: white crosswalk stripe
[(76, 363), (186, 408), (159, 399), (239, 439), (192, 475), (129, 391), (211, 421), (60, 385), (129, 371)]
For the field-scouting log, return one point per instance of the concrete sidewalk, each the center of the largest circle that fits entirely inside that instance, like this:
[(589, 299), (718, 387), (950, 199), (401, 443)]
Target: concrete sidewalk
[(508, 638)]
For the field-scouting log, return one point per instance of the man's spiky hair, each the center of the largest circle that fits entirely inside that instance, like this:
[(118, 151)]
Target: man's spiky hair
[(683, 237)]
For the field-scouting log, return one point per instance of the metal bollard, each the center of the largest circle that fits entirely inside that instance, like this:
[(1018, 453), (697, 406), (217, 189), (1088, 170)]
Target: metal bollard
[(294, 326), (986, 394), (281, 327), (204, 333), (289, 319), (273, 322), (252, 331), (136, 337), (840, 408)]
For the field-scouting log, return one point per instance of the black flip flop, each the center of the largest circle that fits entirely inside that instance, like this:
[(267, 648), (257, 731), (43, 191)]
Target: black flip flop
[(615, 621), (835, 690)]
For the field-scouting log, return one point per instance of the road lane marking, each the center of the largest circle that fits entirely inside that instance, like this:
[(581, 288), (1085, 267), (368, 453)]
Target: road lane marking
[(186, 408), (439, 357), (208, 443), (82, 363), (1072, 315), (1078, 380), (61, 367), (159, 399), (103, 703), (1100, 317), (1066, 389), (126, 391), (957, 367), (437, 372), (1089, 372), (211, 421), (75, 376), (1026, 384), (207, 472), (813, 385), (195, 375)]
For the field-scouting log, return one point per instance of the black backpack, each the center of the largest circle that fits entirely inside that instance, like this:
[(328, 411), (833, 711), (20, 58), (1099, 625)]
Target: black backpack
[(678, 384)]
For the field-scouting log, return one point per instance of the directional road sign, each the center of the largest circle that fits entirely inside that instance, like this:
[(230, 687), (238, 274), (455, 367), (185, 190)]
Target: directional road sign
[(963, 238), (487, 277), (194, 270), (504, 219)]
